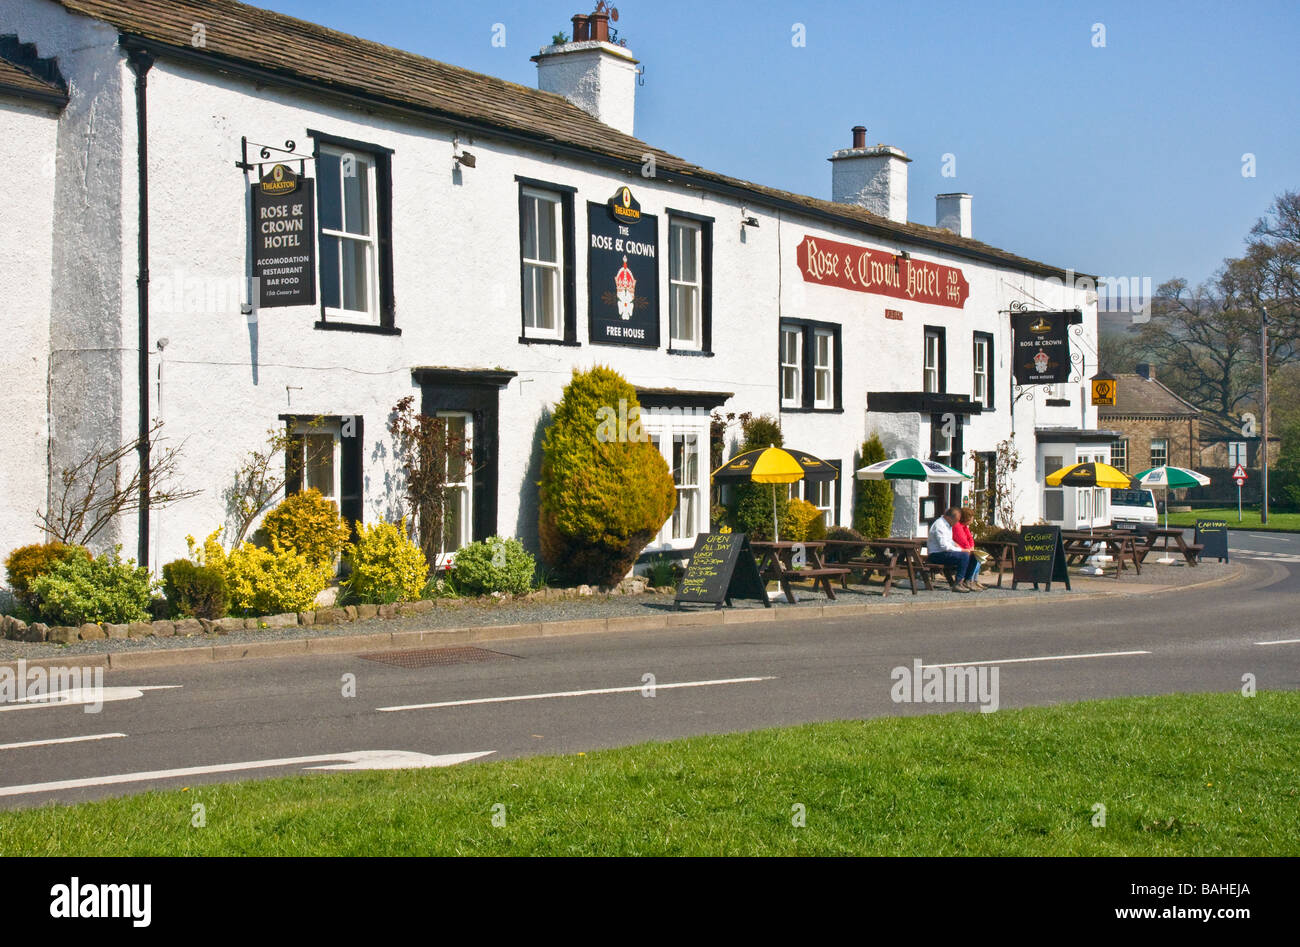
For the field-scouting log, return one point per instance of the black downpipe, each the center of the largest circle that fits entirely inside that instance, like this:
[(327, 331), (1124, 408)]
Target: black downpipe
[(141, 62)]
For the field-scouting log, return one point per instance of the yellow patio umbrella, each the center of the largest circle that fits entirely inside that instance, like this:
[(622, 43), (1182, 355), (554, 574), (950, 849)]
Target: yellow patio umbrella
[(774, 465), (1090, 475)]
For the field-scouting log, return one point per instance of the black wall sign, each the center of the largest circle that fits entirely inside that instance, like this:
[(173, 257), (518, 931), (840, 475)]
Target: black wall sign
[(284, 239), (722, 567), (1040, 347), (623, 272), (1040, 557), (1213, 534)]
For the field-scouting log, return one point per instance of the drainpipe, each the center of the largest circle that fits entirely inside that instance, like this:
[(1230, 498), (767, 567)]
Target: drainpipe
[(141, 62)]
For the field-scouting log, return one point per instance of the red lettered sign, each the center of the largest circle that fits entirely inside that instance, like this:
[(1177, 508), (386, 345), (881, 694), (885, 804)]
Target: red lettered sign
[(831, 263)]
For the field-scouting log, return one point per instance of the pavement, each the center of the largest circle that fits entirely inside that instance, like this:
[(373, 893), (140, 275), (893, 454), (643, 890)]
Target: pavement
[(447, 703)]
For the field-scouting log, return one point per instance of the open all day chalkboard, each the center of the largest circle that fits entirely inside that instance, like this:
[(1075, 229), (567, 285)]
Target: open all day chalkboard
[(722, 567), (1040, 557), (1213, 535)]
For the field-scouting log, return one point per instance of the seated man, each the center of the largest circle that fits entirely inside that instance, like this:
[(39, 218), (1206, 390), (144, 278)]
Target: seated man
[(943, 550)]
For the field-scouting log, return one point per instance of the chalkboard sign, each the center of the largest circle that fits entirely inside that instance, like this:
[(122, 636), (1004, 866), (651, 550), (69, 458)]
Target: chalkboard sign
[(722, 567), (1213, 535), (1040, 557)]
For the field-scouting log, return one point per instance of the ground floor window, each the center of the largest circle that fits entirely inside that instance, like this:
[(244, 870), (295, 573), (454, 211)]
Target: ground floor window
[(314, 461), (683, 442)]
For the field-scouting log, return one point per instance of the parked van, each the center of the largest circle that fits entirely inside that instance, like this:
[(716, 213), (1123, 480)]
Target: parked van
[(1130, 509)]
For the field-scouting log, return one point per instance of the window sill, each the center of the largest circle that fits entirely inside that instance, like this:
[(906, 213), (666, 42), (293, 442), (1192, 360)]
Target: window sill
[(787, 409), (531, 340), (364, 327), (690, 353)]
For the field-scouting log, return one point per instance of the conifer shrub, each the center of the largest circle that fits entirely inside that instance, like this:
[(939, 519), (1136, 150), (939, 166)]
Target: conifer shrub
[(750, 509), (801, 520), (194, 591), (605, 489), (873, 500)]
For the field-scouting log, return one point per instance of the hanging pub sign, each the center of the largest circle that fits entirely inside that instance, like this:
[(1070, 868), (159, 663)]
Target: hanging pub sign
[(284, 239), (885, 274), (623, 272), (1040, 347)]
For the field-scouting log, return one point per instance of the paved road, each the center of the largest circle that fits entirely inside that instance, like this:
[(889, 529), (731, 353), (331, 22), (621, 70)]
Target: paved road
[(283, 710)]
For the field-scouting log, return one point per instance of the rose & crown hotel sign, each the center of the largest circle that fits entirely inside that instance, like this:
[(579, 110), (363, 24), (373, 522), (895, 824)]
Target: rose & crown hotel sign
[(843, 265)]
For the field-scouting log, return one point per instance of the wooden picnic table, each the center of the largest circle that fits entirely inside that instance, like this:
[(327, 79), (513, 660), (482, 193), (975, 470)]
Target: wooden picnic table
[(894, 558), (1121, 544), (1189, 550), (1003, 552), (775, 563)]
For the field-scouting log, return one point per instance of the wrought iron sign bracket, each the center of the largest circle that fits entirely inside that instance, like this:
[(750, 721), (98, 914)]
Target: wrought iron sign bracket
[(266, 152)]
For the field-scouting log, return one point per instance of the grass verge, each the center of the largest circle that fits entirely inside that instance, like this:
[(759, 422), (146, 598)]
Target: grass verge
[(1277, 522), (1203, 774)]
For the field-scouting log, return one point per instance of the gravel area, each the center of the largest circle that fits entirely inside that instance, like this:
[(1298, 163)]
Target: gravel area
[(460, 614)]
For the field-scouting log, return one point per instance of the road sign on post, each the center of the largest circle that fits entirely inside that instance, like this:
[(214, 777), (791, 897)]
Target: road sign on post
[(1239, 475)]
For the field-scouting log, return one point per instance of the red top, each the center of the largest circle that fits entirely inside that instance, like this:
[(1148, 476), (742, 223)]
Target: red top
[(962, 537)]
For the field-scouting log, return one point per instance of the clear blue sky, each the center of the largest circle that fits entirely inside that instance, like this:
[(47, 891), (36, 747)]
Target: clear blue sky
[(1120, 161)]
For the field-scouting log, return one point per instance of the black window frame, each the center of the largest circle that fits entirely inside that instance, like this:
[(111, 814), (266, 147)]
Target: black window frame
[(569, 285), (807, 399), (351, 498), (942, 335), (987, 338), (383, 158), (706, 282)]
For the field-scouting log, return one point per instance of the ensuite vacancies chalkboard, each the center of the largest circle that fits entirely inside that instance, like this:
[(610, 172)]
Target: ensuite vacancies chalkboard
[(722, 567), (1213, 535), (1040, 557)]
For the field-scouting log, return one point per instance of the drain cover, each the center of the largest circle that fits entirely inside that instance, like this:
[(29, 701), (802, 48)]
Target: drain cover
[(434, 657)]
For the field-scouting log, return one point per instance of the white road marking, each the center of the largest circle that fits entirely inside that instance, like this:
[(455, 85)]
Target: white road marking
[(1052, 657), (83, 695), (1282, 539), (587, 693), (363, 759), (1282, 641), (93, 736)]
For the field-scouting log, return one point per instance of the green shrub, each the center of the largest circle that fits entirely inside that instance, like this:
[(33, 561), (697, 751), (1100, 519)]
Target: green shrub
[(760, 431), (386, 565), (195, 591), (27, 562), (603, 495), (873, 500), (843, 534), (494, 565), (271, 581), (751, 508), (664, 571), (104, 589), (309, 523)]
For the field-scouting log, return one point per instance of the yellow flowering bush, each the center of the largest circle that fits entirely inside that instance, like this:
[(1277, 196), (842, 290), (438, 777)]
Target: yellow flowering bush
[(386, 565), (270, 581), (802, 521), (310, 524)]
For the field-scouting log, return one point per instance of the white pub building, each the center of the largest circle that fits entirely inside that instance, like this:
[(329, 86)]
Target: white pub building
[(420, 229)]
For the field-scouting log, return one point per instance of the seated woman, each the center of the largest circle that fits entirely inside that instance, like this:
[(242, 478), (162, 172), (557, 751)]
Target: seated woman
[(961, 534)]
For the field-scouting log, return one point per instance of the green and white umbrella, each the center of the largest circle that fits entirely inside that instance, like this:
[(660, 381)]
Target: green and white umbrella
[(912, 468), (1169, 478)]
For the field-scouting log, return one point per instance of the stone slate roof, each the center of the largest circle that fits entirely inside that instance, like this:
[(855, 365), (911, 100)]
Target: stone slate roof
[(299, 52), (1138, 397), (25, 74)]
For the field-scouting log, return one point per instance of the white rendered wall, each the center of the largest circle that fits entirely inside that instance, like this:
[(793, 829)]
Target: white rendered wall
[(599, 78)]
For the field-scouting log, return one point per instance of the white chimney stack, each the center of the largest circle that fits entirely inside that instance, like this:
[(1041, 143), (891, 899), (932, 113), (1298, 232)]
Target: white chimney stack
[(591, 72), (952, 212), (873, 178)]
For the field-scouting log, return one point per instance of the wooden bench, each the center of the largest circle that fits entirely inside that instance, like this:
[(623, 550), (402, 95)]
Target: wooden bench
[(818, 577)]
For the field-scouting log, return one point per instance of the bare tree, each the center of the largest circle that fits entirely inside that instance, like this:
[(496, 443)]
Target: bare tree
[(96, 490)]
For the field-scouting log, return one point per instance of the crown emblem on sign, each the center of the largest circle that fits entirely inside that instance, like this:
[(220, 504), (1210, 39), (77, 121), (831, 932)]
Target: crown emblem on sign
[(625, 290), (1040, 362)]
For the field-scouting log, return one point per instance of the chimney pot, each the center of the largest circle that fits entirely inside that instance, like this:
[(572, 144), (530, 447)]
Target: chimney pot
[(599, 27), (859, 136), (580, 28)]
